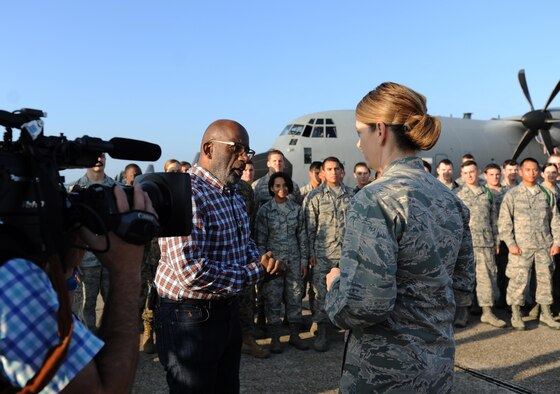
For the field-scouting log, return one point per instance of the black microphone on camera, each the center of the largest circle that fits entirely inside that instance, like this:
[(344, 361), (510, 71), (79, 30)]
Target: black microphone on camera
[(121, 148)]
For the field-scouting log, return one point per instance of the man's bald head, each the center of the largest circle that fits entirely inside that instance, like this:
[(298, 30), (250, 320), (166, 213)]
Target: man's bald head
[(225, 130), (218, 156)]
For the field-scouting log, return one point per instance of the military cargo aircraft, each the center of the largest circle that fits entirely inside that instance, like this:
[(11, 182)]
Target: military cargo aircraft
[(315, 136)]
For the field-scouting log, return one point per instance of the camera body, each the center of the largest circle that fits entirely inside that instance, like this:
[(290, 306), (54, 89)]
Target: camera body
[(38, 216)]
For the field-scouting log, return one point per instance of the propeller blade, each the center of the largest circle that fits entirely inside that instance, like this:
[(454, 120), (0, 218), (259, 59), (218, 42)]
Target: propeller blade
[(525, 140), (547, 141), (523, 83), (552, 95), (552, 121)]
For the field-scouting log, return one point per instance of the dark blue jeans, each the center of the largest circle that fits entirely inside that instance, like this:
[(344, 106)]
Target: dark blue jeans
[(199, 346)]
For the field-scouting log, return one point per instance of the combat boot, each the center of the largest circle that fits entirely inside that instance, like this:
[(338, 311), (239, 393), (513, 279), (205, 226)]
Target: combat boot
[(251, 347), (534, 313), (275, 344), (148, 345), (321, 343), (461, 317), (295, 340), (489, 318), (546, 318), (516, 320), (313, 329)]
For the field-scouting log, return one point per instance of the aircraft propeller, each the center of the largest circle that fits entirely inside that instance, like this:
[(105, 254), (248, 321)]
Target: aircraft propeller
[(537, 122)]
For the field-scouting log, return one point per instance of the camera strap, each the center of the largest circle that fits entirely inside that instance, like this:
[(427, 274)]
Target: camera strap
[(56, 355)]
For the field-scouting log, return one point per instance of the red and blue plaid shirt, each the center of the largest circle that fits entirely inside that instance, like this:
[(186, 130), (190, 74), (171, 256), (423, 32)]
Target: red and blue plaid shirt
[(219, 258)]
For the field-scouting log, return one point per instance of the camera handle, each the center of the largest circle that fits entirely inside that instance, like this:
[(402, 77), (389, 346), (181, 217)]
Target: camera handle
[(137, 227)]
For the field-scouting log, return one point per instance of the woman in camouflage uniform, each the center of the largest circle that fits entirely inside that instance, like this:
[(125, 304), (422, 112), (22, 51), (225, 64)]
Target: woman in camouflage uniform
[(407, 257), (281, 230)]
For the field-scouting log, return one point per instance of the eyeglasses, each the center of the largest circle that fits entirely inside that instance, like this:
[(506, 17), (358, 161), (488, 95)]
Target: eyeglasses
[(362, 173), (238, 148)]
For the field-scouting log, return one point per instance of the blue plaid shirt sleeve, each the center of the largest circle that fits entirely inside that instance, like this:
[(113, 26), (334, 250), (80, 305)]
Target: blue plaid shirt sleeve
[(28, 328)]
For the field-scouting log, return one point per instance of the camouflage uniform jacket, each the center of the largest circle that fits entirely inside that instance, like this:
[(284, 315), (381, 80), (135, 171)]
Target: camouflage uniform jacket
[(406, 251), (503, 183), (89, 259), (262, 196), (283, 235), (325, 215), (484, 215), (529, 218), (498, 196), (304, 191), (246, 192)]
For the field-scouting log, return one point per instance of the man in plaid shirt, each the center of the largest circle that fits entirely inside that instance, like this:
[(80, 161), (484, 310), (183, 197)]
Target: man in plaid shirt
[(197, 317)]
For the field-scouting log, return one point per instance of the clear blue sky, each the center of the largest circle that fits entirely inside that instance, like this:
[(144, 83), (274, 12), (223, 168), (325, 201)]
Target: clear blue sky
[(162, 71)]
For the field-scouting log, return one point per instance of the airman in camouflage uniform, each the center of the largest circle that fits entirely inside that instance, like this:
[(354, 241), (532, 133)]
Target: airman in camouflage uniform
[(275, 163), (325, 213), (484, 230), (147, 275), (407, 249), (314, 180), (280, 228), (493, 175), (246, 192), (529, 224), (510, 174), (94, 278), (555, 159), (247, 295)]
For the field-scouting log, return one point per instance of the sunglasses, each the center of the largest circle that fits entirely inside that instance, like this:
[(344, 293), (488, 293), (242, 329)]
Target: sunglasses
[(238, 148)]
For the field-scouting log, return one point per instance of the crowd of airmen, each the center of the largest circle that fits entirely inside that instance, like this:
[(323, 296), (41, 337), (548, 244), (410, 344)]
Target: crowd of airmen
[(515, 226), (516, 236)]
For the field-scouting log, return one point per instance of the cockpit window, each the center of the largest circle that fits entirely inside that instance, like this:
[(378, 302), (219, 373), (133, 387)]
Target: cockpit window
[(331, 131), (286, 129), (318, 131), (315, 128), (295, 129)]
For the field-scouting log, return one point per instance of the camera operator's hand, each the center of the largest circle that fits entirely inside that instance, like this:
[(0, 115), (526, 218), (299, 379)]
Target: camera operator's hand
[(112, 370), (121, 255), (272, 266)]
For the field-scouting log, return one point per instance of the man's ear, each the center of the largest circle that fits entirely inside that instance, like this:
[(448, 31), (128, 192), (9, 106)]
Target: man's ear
[(207, 149)]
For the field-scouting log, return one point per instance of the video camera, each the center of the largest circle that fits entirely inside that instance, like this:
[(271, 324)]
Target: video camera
[(38, 215)]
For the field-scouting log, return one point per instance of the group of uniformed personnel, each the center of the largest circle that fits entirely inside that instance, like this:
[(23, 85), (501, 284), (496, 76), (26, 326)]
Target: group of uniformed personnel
[(306, 233), (524, 218), (308, 230)]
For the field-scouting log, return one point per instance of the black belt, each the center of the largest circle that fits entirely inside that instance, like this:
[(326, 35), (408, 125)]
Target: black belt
[(218, 303)]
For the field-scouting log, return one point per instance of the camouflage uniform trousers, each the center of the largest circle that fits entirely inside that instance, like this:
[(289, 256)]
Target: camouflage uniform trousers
[(287, 288), (319, 277), (247, 309), (486, 276), (518, 271), (377, 364), (147, 276), (93, 280)]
